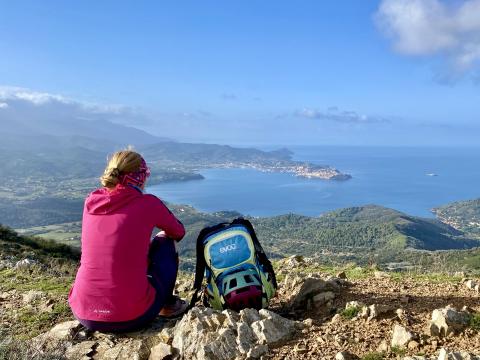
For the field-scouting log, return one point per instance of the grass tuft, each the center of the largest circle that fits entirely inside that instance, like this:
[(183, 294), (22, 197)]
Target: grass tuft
[(398, 350), (372, 356), (475, 321)]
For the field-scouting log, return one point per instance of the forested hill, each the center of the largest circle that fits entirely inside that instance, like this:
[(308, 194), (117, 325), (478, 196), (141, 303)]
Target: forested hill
[(13, 245), (363, 228), (462, 215)]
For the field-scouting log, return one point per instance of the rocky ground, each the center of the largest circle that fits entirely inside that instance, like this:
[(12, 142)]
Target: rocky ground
[(319, 313)]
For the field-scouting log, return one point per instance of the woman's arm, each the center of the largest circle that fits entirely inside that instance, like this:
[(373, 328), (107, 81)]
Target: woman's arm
[(165, 220)]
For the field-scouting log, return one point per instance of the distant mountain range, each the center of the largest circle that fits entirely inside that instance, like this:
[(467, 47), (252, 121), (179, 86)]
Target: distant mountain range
[(25, 120), (60, 144)]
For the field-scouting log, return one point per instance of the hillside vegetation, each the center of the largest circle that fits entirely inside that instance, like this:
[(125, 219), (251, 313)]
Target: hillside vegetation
[(363, 234), (462, 215)]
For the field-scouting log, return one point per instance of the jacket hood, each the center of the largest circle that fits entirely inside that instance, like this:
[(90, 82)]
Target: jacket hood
[(103, 201)]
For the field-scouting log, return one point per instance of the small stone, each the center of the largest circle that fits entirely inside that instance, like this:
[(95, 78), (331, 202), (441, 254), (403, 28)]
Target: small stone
[(383, 347), (443, 355), (65, 330), (300, 295), (341, 275), (308, 322), (376, 310), (413, 345), (160, 351), (32, 296), (294, 261), (300, 349), (81, 335), (401, 336), (471, 284), (336, 318)]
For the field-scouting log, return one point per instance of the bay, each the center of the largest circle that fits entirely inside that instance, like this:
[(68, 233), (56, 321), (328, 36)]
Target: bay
[(397, 177)]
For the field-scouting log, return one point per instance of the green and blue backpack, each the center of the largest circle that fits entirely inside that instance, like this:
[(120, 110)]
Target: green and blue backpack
[(238, 272)]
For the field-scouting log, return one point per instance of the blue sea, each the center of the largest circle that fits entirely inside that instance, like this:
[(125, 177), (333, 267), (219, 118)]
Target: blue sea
[(389, 176)]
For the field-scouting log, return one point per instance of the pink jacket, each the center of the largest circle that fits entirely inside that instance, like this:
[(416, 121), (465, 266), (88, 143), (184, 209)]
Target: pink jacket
[(111, 283)]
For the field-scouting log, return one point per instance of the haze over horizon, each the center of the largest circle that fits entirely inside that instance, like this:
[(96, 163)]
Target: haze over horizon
[(389, 72)]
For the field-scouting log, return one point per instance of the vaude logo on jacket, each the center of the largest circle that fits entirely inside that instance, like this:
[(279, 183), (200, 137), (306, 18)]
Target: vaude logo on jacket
[(228, 248)]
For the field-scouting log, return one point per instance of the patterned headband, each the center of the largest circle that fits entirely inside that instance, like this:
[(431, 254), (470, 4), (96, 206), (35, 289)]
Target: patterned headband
[(136, 178)]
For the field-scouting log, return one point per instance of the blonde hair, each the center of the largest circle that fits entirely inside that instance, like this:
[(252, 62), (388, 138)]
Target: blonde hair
[(120, 163)]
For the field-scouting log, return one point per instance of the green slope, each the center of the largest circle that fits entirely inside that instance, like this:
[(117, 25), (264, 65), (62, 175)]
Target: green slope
[(462, 215), (364, 228), (13, 245), (368, 227)]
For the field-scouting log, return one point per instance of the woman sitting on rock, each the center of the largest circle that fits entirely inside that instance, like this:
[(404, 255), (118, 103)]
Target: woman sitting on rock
[(125, 280)]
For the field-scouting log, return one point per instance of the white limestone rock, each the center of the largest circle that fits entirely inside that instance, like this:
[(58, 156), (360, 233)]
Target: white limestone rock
[(273, 329), (161, 351), (401, 336), (448, 320)]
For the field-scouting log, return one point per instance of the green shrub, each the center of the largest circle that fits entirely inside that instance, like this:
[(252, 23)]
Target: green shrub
[(350, 312), (475, 321)]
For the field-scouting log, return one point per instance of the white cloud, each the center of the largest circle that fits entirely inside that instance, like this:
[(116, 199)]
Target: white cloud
[(11, 96), (341, 116), (434, 27), (34, 97), (42, 98)]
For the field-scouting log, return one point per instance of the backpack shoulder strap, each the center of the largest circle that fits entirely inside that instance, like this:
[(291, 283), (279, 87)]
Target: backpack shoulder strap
[(258, 248), (200, 263)]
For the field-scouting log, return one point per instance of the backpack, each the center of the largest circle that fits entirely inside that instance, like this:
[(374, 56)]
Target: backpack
[(239, 274)]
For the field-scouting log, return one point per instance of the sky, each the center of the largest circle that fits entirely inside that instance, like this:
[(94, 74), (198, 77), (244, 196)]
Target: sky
[(348, 72)]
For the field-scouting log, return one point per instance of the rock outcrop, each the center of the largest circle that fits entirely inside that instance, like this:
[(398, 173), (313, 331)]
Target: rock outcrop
[(209, 334), (472, 284), (447, 321), (310, 291), (202, 334)]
